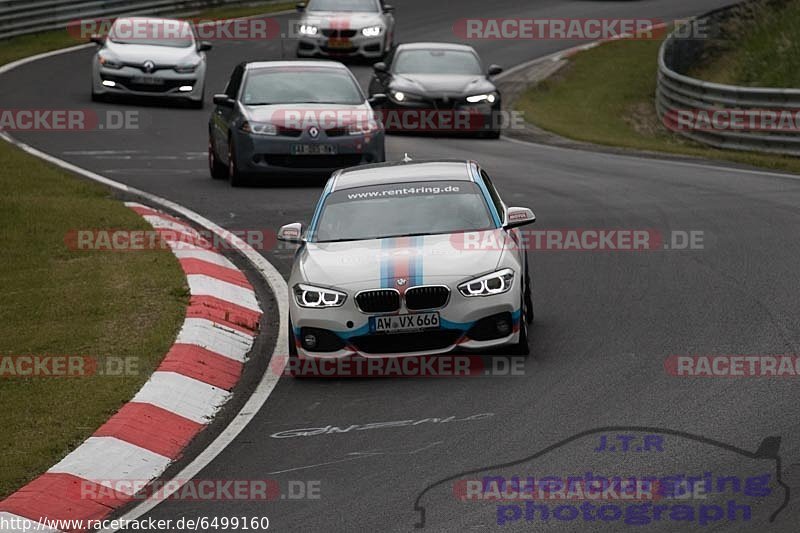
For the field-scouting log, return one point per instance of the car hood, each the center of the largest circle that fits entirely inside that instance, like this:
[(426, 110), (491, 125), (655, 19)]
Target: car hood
[(358, 265), (337, 115), (426, 84), (342, 20), (160, 55)]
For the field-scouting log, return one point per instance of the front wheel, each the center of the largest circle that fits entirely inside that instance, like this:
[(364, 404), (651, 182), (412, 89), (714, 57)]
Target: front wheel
[(522, 348), (217, 170), (234, 176)]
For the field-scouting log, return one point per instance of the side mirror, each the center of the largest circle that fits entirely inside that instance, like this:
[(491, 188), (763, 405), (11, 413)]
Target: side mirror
[(494, 70), (300, 7), (97, 39), (380, 66), (377, 99), (519, 216), (204, 46), (291, 233), (224, 100), (388, 8)]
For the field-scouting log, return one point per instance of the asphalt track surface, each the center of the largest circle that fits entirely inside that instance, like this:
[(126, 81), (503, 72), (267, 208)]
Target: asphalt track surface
[(605, 322)]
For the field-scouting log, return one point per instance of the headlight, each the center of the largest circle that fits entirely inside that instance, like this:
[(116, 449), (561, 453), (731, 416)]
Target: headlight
[(490, 97), (187, 68), (108, 62), (399, 96), (259, 128), (494, 283), (308, 29), (363, 128), (372, 31), (317, 297)]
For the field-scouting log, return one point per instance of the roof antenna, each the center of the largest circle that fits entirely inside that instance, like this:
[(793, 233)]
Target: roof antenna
[(407, 158)]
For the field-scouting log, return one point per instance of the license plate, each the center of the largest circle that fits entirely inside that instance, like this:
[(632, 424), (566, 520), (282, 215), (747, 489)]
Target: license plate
[(148, 80), (313, 149), (339, 43), (400, 323)]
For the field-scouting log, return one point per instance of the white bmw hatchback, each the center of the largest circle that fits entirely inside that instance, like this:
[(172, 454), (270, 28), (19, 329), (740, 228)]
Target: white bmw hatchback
[(389, 267)]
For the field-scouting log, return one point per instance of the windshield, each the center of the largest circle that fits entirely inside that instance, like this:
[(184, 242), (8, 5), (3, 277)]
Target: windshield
[(171, 33), (437, 62), (306, 86), (400, 209), (362, 6)]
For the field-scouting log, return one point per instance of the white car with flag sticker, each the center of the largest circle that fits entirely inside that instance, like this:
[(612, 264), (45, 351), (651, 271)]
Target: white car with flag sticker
[(382, 270)]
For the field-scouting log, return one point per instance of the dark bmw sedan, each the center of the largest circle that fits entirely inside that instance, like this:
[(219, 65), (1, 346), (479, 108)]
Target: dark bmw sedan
[(288, 117), (439, 87)]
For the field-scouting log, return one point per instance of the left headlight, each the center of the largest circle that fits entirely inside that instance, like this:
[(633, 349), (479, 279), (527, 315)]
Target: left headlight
[(308, 29), (109, 61), (372, 31), (187, 68), (494, 283), (478, 98), (363, 127), (317, 297)]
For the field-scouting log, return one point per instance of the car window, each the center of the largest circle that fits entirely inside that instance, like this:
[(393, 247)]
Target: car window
[(232, 90), (436, 62), (368, 6), (171, 33), (398, 209), (298, 86), (498, 203)]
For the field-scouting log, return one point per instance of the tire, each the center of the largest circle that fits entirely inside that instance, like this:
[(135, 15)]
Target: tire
[(217, 170), (522, 348), (98, 97), (197, 104), (235, 177)]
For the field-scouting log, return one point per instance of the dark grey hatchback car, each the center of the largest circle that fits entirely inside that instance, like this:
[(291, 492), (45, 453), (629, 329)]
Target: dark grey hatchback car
[(282, 118)]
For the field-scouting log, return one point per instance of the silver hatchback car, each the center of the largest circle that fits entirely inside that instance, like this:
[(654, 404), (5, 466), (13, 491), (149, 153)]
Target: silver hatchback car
[(345, 28), (150, 57)]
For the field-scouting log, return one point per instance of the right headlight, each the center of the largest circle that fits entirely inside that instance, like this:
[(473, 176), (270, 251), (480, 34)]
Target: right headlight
[(317, 297), (494, 283), (259, 128)]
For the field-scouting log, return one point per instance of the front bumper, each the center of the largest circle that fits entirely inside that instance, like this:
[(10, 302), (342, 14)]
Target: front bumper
[(168, 83), (265, 154), (451, 117), (356, 46), (466, 325)]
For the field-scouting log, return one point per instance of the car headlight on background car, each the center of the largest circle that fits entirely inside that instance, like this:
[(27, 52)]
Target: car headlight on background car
[(259, 128), (317, 297), (372, 31), (187, 68), (478, 98), (109, 62), (308, 29), (494, 283)]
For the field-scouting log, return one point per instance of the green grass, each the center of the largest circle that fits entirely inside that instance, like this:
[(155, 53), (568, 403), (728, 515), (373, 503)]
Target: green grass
[(606, 96), (761, 49), (58, 301), (28, 45)]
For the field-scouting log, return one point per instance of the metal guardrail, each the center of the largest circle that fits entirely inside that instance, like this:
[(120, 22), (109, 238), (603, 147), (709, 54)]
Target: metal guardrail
[(20, 17), (677, 92)]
